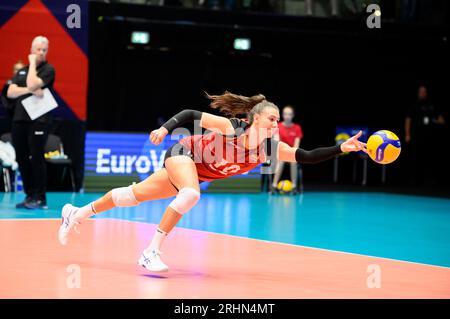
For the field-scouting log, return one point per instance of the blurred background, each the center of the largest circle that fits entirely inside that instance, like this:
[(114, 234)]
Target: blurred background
[(130, 65)]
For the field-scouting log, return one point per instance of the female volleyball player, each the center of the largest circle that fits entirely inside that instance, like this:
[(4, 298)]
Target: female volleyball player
[(232, 146)]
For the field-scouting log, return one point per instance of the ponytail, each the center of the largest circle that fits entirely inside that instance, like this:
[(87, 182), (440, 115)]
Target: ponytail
[(232, 104)]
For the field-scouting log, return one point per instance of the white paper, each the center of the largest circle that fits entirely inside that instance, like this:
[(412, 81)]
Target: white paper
[(38, 106)]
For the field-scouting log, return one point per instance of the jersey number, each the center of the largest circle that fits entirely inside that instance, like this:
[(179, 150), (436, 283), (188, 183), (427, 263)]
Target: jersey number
[(229, 169)]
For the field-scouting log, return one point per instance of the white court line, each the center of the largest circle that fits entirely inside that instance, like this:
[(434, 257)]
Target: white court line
[(31, 218), (241, 237), (294, 245)]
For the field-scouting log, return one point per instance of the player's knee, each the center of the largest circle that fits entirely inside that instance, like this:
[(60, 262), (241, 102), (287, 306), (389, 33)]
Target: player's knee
[(186, 199), (124, 197)]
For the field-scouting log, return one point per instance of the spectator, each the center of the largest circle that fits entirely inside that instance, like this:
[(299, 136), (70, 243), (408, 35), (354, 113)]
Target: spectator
[(7, 103), (408, 10), (290, 133), (422, 124), (29, 136), (17, 66)]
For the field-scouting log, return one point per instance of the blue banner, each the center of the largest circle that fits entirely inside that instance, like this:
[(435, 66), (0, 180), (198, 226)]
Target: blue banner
[(120, 159)]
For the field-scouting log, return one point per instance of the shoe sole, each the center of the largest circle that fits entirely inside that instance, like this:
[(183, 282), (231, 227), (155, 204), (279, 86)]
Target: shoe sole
[(140, 263)]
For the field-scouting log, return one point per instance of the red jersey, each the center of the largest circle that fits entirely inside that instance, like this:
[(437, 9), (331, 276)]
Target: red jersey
[(289, 134), (218, 156)]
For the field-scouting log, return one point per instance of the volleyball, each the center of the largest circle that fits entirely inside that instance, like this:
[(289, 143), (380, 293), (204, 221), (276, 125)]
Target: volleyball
[(285, 186), (383, 147)]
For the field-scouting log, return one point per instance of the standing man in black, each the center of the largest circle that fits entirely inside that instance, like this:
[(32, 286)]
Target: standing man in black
[(423, 130), (29, 137), (5, 101)]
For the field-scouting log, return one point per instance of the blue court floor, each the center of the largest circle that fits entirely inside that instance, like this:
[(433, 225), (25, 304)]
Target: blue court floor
[(402, 227)]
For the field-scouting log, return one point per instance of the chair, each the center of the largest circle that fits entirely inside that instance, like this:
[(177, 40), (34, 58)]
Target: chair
[(6, 175), (341, 134), (53, 143), (6, 178), (266, 179)]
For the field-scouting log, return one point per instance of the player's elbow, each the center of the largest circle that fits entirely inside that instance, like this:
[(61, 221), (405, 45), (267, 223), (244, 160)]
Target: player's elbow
[(189, 114)]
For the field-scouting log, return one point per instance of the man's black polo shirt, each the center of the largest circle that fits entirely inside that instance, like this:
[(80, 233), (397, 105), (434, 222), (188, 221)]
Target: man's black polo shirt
[(44, 71), (424, 117)]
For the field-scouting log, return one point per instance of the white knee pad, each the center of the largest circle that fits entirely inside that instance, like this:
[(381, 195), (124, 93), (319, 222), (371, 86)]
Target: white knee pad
[(186, 199), (124, 197)]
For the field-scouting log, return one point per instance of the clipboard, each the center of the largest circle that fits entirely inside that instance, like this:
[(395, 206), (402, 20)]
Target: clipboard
[(38, 106)]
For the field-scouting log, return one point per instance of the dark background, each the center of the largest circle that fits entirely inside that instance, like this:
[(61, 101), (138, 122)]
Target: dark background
[(334, 71)]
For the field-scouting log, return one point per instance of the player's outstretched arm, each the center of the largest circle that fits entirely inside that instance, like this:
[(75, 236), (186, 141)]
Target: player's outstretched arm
[(208, 121), (287, 153)]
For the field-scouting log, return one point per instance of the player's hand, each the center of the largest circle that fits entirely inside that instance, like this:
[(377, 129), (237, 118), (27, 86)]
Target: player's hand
[(38, 93), (353, 145), (32, 58), (157, 136)]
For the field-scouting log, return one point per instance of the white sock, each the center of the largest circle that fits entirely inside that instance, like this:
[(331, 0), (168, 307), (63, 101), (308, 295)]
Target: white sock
[(85, 212), (157, 240)]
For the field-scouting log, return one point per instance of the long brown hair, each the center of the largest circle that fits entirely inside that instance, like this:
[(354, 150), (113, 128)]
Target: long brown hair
[(233, 105)]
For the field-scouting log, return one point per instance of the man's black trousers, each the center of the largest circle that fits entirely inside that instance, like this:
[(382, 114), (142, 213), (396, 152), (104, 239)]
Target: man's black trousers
[(29, 139)]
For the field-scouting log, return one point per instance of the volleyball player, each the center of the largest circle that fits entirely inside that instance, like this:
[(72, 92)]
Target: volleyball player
[(233, 146)]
